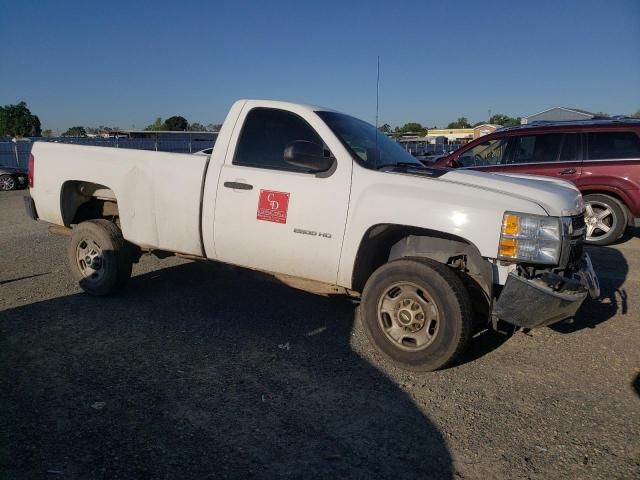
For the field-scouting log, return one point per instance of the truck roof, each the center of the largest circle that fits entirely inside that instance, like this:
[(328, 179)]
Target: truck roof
[(286, 105)]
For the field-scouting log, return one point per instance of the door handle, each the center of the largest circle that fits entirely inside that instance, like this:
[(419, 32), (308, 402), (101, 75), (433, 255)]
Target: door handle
[(567, 171), (238, 185)]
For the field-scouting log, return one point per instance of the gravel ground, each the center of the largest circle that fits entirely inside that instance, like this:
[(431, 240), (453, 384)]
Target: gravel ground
[(207, 371)]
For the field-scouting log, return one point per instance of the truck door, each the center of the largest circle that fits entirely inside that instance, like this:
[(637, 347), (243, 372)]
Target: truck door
[(274, 216)]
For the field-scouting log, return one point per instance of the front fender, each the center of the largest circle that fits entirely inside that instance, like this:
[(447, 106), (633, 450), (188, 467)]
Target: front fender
[(474, 214)]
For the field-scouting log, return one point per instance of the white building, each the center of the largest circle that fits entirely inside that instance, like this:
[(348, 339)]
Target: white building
[(558, 114)]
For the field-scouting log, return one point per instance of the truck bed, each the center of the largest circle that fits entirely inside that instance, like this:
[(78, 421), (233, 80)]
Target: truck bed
[(158, 193)]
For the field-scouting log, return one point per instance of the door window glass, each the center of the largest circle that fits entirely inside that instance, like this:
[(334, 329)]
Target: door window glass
[(570, 148), (536, 148), (610, 145), (490, 152), (265, 134)]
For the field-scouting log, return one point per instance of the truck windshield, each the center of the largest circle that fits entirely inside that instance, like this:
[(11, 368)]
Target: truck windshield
[(368, 146)]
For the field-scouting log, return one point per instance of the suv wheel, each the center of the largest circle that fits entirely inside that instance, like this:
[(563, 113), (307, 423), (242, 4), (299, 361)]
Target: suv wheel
[(7, 182), (604, 218)]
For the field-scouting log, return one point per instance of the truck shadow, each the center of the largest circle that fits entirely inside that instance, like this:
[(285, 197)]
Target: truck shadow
[(202, 371), (612, 269)]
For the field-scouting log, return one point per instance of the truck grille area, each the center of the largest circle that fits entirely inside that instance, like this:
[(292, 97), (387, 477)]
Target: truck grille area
[(574, 244), (577, 222)]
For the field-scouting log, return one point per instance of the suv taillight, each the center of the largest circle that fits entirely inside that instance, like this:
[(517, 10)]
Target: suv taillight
[(30, 173)]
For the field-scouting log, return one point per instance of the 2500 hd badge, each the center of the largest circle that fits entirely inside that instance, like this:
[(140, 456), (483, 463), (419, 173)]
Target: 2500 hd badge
[(311, 232)]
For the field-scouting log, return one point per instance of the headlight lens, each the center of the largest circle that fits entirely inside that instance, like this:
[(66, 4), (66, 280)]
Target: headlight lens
[(530, 238)]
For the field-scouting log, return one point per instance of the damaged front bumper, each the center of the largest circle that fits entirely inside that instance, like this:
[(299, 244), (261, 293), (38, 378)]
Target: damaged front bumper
[(546, 299)]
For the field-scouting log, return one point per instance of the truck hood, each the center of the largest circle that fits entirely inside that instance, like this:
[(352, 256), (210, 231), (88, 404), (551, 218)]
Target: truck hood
[(556, 197)]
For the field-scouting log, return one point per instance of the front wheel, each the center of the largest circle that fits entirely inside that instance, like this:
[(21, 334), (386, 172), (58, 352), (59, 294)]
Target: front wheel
[(604, 218), (99, 257), (417, 313)]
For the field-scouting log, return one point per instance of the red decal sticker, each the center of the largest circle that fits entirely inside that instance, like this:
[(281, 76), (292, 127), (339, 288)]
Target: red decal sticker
[(273, 206)]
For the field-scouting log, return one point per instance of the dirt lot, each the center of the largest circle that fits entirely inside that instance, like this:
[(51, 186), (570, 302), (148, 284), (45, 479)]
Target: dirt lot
[(205, 371)]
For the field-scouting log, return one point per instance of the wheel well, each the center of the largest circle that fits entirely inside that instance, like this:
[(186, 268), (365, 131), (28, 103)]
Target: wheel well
[(625, 208), (80, 201), (382, 243)]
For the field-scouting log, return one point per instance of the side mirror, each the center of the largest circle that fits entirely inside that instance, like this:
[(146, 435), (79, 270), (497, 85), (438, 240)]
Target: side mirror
[(307, 155)]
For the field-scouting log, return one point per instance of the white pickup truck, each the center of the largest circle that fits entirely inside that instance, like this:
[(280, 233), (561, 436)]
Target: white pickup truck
[(434, 254)]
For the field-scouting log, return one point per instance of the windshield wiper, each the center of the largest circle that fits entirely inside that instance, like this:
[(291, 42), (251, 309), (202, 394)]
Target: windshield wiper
[(401, 164)]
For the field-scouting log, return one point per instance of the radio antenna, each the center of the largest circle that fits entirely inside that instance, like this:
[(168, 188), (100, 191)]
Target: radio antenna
[(377, 108), (377, 92)]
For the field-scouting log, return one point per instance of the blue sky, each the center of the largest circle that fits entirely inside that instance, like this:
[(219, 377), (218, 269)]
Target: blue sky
[(125, 63)]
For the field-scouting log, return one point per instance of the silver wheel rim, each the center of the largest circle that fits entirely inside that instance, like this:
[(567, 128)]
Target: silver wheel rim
[(408, 316), (7, 183), (90, 260), (599, 219)]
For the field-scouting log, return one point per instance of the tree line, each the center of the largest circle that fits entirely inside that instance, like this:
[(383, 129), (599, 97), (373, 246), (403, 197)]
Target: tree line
[(461, 122), (178, 123), (18, 121)]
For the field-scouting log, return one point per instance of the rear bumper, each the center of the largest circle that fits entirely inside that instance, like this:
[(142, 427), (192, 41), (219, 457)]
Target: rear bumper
[(548, 299), (30, 207)]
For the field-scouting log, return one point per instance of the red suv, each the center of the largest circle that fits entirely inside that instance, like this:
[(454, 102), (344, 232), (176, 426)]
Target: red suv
[(602, 157)]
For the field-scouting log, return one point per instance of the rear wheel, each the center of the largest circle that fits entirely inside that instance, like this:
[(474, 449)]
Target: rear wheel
[(99, 257), (417, 312), (7, 182), (604, 218)]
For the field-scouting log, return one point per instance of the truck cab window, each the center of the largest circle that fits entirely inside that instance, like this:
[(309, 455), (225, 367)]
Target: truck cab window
[(265, 134)]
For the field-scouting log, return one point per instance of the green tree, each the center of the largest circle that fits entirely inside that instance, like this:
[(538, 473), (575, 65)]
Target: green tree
[(176, 124), (157, 125), (75, 132), (18, 121), (197, 127), (47, 132), (411, 127), (214, 127), (637, 114), (462, 122), (386, 128), (504, 120)]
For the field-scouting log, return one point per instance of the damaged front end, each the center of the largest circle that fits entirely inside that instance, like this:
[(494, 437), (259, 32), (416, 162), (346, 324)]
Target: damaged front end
[(535, 297)]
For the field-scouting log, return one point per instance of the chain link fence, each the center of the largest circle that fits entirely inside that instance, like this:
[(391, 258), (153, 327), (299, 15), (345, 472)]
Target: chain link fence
[(16, 153)]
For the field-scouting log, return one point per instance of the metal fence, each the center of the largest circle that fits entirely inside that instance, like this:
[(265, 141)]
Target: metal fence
[(16, 154), (425, 149)]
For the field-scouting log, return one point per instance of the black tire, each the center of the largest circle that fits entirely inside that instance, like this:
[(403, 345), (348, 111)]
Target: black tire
[(114, 267), (7, 182), (615, 219), (445, 290)]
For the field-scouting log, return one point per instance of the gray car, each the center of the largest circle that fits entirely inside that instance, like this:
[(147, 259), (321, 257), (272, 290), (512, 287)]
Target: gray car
[(12, 178)]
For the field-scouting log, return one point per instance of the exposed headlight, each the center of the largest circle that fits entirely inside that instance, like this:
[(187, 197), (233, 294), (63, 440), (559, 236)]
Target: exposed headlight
[(530, 238)]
